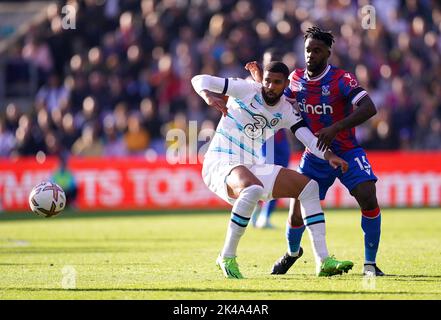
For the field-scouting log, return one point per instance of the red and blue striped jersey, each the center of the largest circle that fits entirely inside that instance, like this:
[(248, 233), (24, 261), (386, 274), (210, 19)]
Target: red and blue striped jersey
[(326, 99)]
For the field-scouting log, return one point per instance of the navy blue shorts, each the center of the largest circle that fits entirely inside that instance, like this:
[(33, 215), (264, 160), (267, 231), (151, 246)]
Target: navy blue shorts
[(359, 170)]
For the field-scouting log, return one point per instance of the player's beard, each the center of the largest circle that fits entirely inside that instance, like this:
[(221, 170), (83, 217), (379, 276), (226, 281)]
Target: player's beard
[(316, 68), (271, 100)]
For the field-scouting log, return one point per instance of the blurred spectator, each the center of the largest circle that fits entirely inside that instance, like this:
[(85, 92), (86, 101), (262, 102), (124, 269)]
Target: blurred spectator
[(92, 21), (52, 144), (137, 138), (78, 92), (37, 52), (127, 34), (7, 139), (52, 96), (89, 143), (29, 139), (151, 121), (60, 43), (99, 91), (433, 139), (121, 117), (12, 117), (117, 93), (44, 121), (69, 133), (89, 112), (114, 144)]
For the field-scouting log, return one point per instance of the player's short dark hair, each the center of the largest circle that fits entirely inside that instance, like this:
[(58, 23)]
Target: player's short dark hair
[(318, 34), (277, 67)]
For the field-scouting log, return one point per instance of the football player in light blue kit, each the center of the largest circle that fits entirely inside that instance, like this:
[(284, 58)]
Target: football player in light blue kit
[(232, 167), (276, 150)]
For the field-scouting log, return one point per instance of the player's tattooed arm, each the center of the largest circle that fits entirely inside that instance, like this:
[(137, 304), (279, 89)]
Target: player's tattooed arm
[(364, 111)]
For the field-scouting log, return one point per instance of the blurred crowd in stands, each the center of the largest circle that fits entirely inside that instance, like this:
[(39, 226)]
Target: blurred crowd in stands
[(120, 80)]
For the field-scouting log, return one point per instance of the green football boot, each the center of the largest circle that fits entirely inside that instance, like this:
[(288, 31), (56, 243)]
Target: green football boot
[(331, 267), (229, 267)]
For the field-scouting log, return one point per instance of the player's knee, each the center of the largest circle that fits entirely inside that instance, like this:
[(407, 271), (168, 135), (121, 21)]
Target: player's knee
[(253, 192), (310, 191), (366, 200), (245, 184), (251, 182), (369, 203)]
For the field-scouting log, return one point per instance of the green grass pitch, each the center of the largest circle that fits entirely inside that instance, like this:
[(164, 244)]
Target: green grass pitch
[(171, 255)]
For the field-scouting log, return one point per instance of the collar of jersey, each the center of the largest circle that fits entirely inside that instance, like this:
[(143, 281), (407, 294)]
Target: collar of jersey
[(319, 76)]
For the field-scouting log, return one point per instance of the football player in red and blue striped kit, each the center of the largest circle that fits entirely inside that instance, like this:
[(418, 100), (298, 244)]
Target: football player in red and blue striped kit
[(326, 96)]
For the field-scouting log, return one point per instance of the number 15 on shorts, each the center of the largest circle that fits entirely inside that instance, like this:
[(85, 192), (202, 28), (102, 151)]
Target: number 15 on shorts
[(363, 164)]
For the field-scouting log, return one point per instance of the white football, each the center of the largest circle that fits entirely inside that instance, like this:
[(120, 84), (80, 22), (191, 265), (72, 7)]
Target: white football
[(47, 199)]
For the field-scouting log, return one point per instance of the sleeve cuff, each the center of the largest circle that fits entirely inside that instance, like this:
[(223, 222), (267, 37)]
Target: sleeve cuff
[(359, 96)]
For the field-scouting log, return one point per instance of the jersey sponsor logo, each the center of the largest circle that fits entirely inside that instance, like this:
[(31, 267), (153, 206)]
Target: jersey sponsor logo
[(255, 130), (317, 109)]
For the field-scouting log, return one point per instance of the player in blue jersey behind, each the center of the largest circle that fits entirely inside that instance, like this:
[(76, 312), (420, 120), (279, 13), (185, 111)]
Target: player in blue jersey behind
[(276, 151), (325, 96)]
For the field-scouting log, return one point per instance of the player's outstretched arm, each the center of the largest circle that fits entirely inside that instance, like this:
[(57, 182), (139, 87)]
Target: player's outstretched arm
[(213, 89), (310, 141), (365, 110)]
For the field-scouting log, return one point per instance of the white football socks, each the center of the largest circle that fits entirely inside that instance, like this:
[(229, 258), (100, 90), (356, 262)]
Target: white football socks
[(314, 220), (240, 216)]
